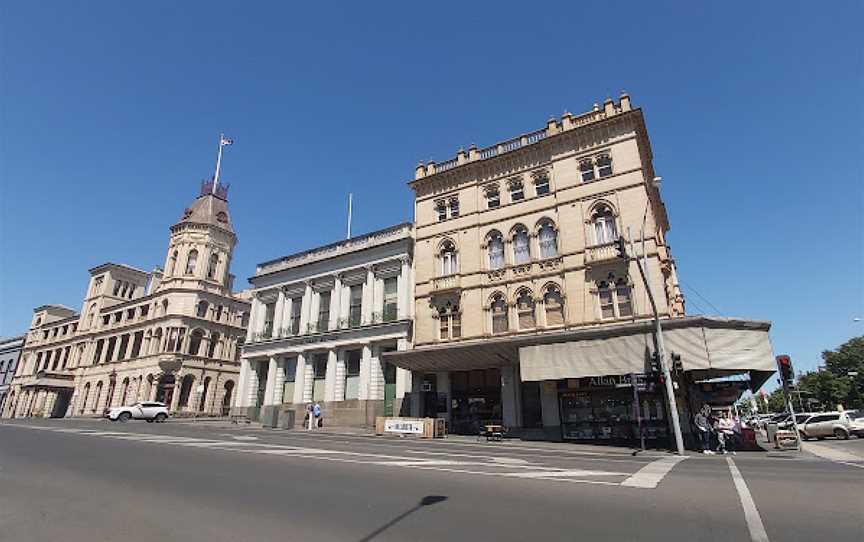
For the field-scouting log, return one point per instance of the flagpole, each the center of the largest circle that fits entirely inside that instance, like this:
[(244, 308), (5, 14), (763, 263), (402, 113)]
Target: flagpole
[(218, 163), (350, 201)]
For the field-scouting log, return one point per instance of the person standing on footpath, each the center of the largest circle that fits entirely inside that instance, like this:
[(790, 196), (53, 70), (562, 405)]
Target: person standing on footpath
[(316, 411), (703, 431), (309, 417)]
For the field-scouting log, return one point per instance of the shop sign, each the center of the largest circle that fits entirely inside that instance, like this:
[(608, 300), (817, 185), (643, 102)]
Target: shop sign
[(400, 425), (609, 381)]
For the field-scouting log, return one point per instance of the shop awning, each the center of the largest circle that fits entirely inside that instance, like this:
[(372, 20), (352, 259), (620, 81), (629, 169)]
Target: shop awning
[(712, 346)]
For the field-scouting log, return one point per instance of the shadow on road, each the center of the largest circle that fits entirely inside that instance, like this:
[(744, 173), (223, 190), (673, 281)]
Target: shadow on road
[(428, 500)]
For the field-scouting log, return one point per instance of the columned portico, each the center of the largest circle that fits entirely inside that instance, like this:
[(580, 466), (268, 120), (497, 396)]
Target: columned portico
[(337, 346)]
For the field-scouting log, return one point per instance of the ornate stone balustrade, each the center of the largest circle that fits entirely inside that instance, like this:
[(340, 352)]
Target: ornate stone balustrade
[(450, 282), (553, 126), (601, 253)]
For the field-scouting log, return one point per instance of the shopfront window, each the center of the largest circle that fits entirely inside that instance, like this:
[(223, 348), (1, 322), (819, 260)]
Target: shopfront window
[(475, 399)]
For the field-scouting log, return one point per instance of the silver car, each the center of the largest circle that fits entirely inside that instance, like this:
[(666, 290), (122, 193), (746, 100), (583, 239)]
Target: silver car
[(825, 424)]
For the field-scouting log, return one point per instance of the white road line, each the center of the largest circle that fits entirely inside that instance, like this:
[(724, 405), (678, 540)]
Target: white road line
[(751, 514), (653, 473), (859, 465), (563, 473)]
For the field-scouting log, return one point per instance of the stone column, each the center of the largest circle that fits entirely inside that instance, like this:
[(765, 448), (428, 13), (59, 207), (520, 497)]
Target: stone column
[(339, 393), (336, 302), (270, 384), (403, 377), (330, 379), (308, 382), (300, 379), (365, 379), (277, 318), (253, 319), (368, 295), (175, 395), (402, 289), (305, 308), (279, 383)]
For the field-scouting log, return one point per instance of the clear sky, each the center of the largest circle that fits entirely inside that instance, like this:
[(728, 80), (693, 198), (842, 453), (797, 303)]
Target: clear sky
[(111, 113)]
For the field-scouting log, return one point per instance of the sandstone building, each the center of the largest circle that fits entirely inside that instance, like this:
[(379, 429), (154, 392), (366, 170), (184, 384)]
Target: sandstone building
[(172, 336), (525, 313)]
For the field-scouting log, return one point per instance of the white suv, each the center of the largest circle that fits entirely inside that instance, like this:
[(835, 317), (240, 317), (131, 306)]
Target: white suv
[(152, 412), (825, 424)]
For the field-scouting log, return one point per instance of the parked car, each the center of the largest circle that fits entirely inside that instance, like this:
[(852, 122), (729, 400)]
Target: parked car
[(151, 411), (856, 422), (825, 424)]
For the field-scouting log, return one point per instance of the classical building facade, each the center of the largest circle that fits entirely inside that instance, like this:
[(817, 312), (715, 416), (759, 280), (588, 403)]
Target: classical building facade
[(171, 336), (10, 352), (321, 319), (517, 249)]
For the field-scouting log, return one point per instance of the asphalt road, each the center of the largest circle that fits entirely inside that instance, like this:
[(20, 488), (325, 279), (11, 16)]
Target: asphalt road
[(77, 480)]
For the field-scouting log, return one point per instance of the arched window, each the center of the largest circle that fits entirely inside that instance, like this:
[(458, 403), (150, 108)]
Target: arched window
[(605, 230), (97, 397), (449, 259), (615, 299), (84, 396), (211, 268), (214, 341), (495, 247), (203, 402), (172, 263), (450, 321), (553, 303), (548, 240), (195, 341), (525, 309), (201, 312), (124, 391), (186, 390), (521, 245), (156, 345), (500, 322), (226, 398), (191, 261)]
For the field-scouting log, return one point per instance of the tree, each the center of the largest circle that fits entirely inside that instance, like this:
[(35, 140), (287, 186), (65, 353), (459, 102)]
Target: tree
[(777, 401), (848, 358), (826, 387)]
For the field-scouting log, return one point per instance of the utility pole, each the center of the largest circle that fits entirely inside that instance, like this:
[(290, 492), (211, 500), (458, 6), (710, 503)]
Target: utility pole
[(661, 355)]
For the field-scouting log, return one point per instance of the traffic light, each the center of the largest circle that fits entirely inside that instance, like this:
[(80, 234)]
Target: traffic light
[(784, 367), (655, 363), (677, 366), (621, 247)]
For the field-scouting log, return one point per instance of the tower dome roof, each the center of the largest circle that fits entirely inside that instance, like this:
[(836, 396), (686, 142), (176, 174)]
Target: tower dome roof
[(210, 208)]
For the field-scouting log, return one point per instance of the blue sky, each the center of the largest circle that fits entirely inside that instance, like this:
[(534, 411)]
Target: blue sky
[(110, 114)]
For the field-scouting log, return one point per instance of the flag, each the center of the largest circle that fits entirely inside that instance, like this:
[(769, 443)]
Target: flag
[(226, 141)]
